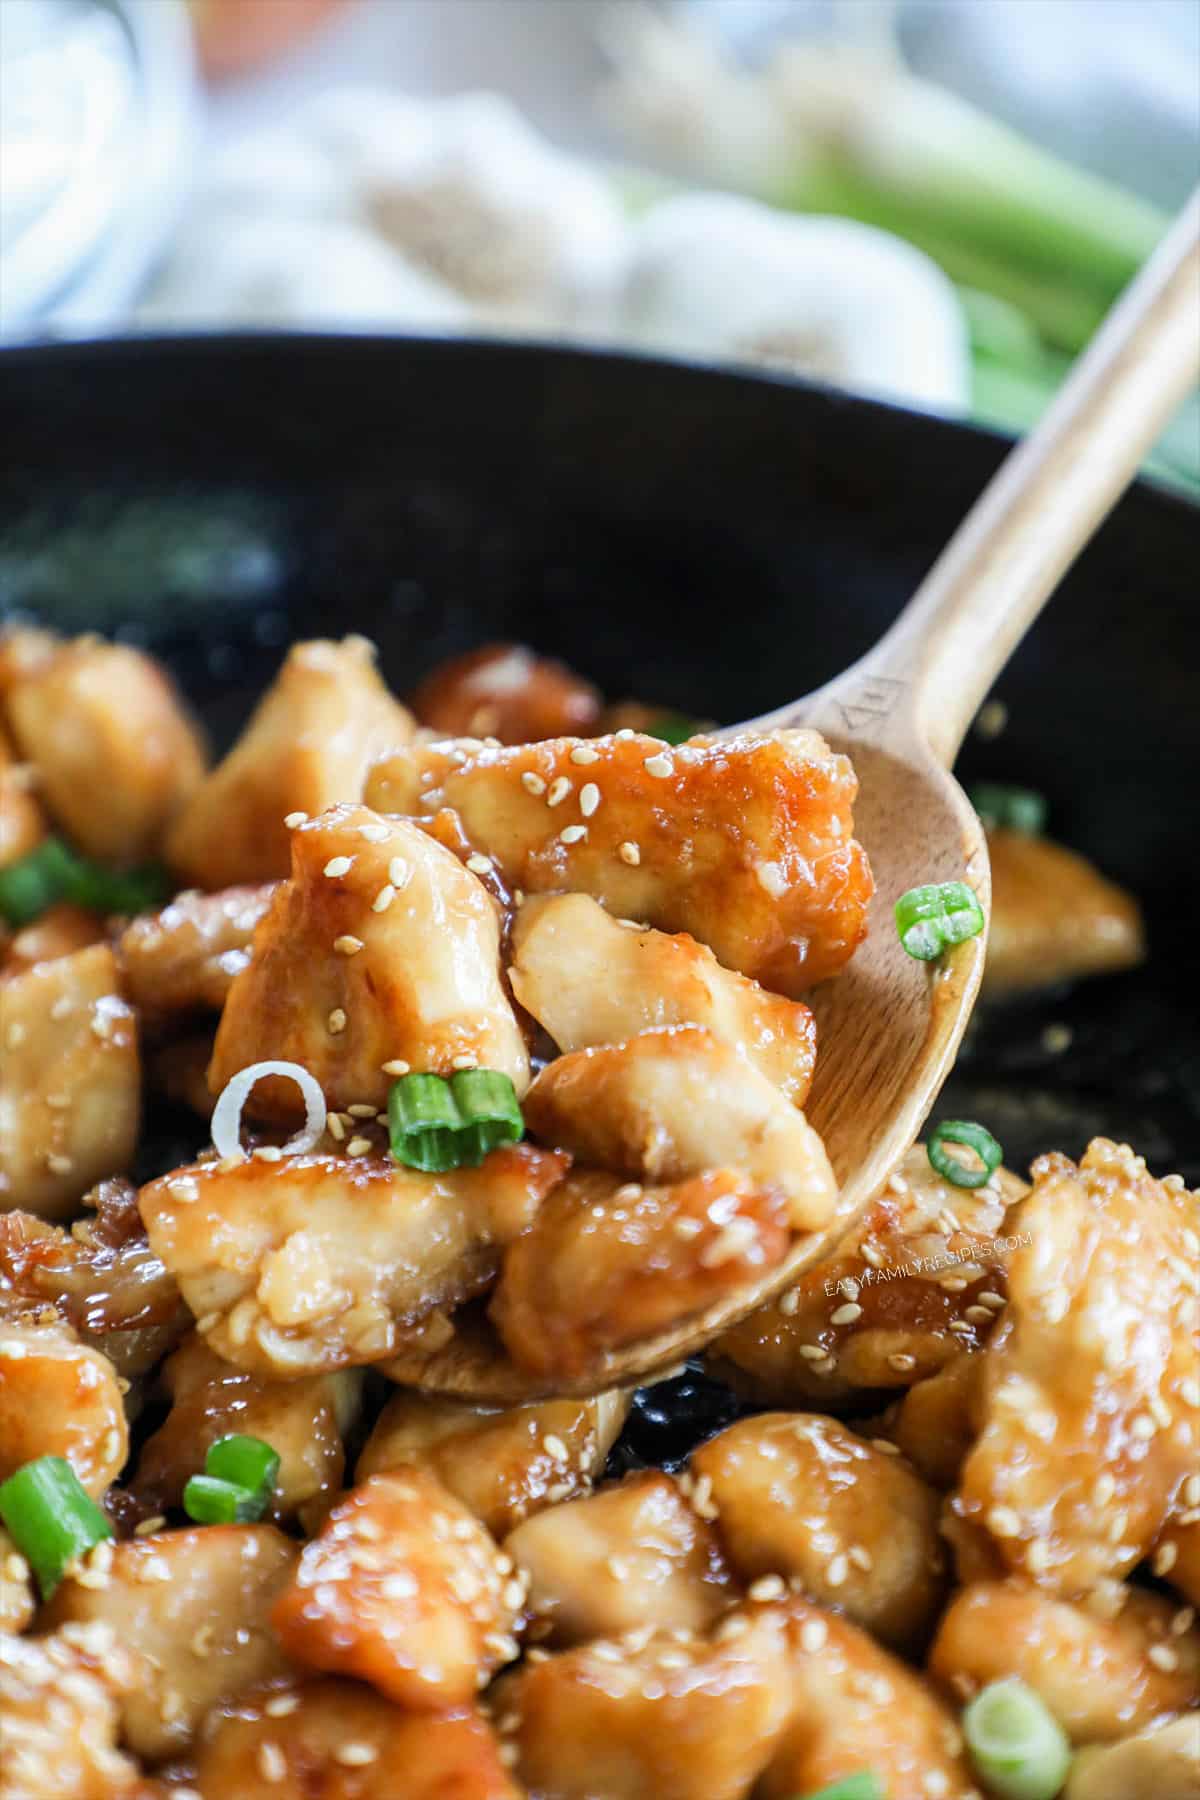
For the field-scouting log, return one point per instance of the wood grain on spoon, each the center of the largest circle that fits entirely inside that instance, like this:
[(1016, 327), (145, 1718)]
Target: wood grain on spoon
[(889, 1027)]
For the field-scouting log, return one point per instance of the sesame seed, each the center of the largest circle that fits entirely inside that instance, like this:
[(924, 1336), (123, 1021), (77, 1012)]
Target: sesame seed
[(813, 1634), (361, 1109), (1143, 1427), (464, 1062), (849, 1287), (573, 834), (813, 1352), (533, 784), (559, 790), (846, 1315), (293, 819), (272, 1764), (58, 1165), (989, 1298), (479, 864), (630, 853), (338, 865), (347, 944), (1189, 1391), (334, 1127), (396, 1066), (1104, 1489), (555, 1449), (1191, 1491), (767, 1587), (861, 1557), (355, 1756), (584, 754), (1004, 1522), (953, 1284), (336, 1021), (397, 871), (789, 1303), (280, 1705), (735, 1627), (836, 1570), (1165, 1558), (1163, 1657), (659, 766), (589, 799), (979, 1315), (358, 1146), (1183, 1621)]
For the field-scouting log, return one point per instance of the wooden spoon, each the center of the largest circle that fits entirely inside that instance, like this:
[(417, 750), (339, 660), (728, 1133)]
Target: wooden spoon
[(889, 1027)]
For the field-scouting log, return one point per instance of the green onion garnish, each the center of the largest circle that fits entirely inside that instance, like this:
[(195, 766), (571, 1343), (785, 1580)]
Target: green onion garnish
[(1017, 808), (53, 872), (863, 1786), (437, 1124), (1016, 1744), (963, 1131), (50, 1518), (930, 919), (237, 1484), (674, 728)]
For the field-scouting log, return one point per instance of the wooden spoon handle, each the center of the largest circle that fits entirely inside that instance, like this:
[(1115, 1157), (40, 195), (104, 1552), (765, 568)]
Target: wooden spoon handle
[(1025, 530)]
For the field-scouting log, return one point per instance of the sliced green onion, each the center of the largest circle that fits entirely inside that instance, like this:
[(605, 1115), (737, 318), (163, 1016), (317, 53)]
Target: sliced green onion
[(210, 1501), (1016, 808), (863, 1786), (436, 1124), (50, 1518), (930, 919), (246, 1461), (963, 1131), (53, 872), (674, 728), (1017, 1745)]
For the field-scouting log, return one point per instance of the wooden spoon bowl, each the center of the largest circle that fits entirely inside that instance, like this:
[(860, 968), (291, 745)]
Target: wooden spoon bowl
[(889, 1026)]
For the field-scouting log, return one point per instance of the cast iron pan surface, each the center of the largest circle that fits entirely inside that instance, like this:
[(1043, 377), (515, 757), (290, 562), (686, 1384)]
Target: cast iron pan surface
[(718, 542)]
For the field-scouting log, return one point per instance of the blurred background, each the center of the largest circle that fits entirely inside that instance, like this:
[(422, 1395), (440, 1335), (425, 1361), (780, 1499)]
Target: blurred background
[(934, 201)]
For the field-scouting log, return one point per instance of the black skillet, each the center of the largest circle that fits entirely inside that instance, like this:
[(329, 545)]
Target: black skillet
[(716, 542)]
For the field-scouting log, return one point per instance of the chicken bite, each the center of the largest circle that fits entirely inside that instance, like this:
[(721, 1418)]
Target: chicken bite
[(607, 1264), (505, 691), (309, 744), (745, 842), (338, 1740), (381, 946), (918, 1279), (506, 1463), (305, 1423), (671, 1103), (405, 1589), (1054, 917), (70, 1102), (634, 1552), (653, 1713), (1102, 1677), (318, 1262), (59, 931), (59, 1699), (856, 1707), (800, 1496), (58, 1397), (183, 958), (1164, 1761), (195, 1607), (116, 754), (1090, 1421), (936, 1422), (587, 979), (22, 821)]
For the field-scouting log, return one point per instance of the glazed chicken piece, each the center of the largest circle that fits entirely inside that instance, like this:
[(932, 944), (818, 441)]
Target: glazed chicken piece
[(195, 1606), (588, 978), (633, 1553), (745, 842), (339, 1741), (507, 1463), (936, 1422), (606, 1264), (856, 1707), (654, 1713), (22, 821), (1101, 1677), (1091, 1425), (504, 691), (403, 1588), (381, 946), (59, 1705), (799, 1496), (59, 931), (59, 1397), (183, 959), (1054, 917), (312, 737), (70, 1102), (671, 1103), (116, 754), (100, 1277), (305, 1423), (1164, 1761), (916, 1281), (318, 1262), (16, 1588)]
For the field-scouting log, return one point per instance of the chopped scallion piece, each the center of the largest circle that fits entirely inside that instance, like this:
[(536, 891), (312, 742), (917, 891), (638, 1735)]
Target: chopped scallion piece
[(50, 1518), (436, 1124), (53, 872), (974, 1137), (862, 1786), (246, 1461), (1016, 808), (1016, 1743), (930, 919), (211, 1501), (674, 728)]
